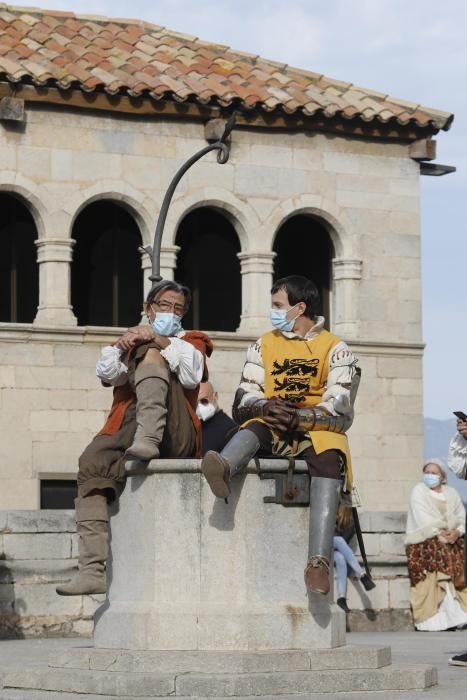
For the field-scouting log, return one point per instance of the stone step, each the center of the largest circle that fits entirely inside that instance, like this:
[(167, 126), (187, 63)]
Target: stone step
[(346, 657), (208, 685)]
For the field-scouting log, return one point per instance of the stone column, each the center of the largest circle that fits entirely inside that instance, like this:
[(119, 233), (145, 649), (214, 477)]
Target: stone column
[(256, 270), (169, 261), (54, 256), (189, 571), (346, 275)]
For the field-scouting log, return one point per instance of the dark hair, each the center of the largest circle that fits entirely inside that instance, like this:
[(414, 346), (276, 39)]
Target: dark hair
[(169, 286), (298, 289)]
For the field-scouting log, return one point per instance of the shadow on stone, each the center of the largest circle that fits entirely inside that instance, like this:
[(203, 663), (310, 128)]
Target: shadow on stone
[(223, 514)]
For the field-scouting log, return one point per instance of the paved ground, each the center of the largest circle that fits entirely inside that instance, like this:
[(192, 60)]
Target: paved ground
[(433, 648)]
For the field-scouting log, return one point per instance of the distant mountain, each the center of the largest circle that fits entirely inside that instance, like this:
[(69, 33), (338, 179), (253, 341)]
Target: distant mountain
[(438, 434)]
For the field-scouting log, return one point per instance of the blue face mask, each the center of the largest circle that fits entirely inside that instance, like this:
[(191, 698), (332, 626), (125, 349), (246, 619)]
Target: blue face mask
[(431, 480), (167, 324), (280, 321)]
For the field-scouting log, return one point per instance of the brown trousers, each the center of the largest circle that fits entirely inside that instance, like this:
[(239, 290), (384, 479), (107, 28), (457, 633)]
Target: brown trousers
[(102, 464), (328, 464)]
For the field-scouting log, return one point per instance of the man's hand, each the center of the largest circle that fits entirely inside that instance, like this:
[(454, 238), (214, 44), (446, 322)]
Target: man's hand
[(135, 336), (280, 415), (462, 428)]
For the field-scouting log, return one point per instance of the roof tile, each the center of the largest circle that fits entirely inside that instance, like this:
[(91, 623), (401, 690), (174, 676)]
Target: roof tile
[(135, 57)]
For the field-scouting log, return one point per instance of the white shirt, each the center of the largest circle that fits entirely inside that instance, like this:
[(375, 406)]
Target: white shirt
[(457, 456), (184, 360)]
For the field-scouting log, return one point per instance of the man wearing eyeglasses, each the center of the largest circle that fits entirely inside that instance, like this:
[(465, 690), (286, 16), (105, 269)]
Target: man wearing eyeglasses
[(156, 371)]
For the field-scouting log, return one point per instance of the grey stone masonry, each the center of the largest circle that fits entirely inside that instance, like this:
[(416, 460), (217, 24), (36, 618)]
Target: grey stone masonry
[(37, 550)]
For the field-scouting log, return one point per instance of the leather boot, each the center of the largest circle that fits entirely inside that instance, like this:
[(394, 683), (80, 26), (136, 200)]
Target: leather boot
[(93, 531), (219, 467), (324, 499), (152, 386)]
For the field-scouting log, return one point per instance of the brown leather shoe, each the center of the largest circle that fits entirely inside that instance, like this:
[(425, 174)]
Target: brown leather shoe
[(216, 470), (317, 575)]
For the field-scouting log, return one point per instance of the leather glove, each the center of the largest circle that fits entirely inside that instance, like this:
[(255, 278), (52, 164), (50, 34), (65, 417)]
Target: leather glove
[(280, 415)]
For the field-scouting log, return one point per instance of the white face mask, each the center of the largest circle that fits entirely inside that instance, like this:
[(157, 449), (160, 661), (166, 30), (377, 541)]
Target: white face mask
[(206, 411)]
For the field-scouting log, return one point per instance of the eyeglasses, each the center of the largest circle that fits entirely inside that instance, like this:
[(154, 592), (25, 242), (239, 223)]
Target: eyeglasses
[(168, 307)]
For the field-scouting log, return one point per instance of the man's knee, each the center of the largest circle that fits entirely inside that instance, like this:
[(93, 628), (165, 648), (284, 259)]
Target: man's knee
[(153, 356)]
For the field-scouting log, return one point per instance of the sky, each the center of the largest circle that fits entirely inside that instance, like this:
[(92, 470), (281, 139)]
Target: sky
[(411, 49)]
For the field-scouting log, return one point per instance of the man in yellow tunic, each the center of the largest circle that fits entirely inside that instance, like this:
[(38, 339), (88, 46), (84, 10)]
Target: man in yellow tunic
[(296, 398)]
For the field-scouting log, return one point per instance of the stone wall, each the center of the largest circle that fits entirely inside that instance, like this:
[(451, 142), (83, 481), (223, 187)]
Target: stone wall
[(38, 549), (364, 192)]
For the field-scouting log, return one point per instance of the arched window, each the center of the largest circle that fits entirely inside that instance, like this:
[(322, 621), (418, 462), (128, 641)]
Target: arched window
[(19, 277), (304, 247), (106, 278), (209, 266)]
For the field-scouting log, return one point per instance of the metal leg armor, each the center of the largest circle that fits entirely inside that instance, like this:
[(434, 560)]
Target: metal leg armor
[(324, 499), (219, 468)]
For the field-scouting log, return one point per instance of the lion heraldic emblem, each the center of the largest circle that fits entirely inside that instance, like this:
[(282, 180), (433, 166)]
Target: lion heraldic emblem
[(292, 376)]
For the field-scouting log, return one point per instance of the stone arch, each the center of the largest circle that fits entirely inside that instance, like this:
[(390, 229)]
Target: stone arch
[(29, 195), (240, 214), (327, 212), (129, 199)]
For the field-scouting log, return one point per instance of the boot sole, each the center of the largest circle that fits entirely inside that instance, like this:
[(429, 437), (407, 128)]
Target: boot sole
[(213, 468), (60, 591)]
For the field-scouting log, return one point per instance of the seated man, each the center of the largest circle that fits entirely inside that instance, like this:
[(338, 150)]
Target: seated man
[(216, 426), (153, 415), (296, 398)]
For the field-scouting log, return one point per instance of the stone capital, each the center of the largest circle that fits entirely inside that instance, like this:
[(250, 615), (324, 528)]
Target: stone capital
[(256, 261), (347, 269), (55, 250)]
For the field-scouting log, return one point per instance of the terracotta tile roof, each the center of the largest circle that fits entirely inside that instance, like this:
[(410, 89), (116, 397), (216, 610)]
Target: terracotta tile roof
[(128, 57)]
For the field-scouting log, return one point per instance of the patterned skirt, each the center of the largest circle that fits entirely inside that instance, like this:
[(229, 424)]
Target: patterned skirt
[(432, 556)]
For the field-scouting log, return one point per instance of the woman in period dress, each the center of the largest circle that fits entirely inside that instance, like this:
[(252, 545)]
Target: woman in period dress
[(435, 552)]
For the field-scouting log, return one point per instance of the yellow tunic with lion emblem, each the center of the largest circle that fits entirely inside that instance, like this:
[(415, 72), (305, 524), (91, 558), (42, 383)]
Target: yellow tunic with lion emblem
[(296, 370)]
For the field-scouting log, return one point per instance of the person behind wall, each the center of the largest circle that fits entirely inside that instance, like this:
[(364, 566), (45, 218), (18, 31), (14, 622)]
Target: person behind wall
[(344, 557), (155, 371), (216, 426), (435, 552), (294, 398)]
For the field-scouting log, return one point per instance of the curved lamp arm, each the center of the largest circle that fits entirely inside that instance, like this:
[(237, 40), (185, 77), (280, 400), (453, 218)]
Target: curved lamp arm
[(222, 157)]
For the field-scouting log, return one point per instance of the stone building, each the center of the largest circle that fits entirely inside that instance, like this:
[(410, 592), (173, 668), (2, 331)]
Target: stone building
[(96, 115)]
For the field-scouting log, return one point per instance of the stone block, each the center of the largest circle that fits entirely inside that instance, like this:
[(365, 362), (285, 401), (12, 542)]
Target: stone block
[(42, 599), (3, 520), (36, 571), (7, 376), (66, 399), (392, 543), (385, 521), (35, 162), (224, 547), (83, 378), (405, 386), (61, 164), (37, 546), (33, 354), (399, 593), (99, 399), (43, 377), (86, 421), (19, 493), (266, 182), (89, 167), (58, 421), (25, 399), (60, 455), (359, 599), (399, 367)]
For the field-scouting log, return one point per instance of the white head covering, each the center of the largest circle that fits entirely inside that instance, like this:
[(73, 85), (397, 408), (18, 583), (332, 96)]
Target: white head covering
[(439, 463)]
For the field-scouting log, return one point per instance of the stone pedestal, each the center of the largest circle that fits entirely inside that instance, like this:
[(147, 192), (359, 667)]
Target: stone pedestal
[(190, 572)]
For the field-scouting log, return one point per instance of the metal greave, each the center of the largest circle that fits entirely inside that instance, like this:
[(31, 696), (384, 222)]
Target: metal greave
[(324, 499), (240, 449)]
